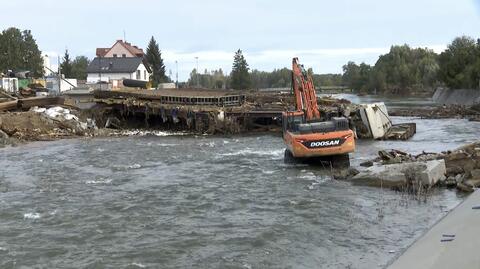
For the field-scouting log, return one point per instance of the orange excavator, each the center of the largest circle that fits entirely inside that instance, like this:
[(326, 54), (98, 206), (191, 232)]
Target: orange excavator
[(310, 134)]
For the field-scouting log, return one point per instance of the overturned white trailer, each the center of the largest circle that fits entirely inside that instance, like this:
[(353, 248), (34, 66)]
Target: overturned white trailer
[(376, 119), (378, 125)]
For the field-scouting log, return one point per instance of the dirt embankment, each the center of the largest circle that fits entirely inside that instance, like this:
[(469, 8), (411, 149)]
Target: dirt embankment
[(41, 124)]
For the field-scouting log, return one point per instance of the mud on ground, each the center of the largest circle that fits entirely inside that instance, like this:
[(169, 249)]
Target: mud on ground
[(32, 126)]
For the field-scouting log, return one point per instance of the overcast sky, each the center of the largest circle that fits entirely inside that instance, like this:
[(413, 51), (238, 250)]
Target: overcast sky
[(324, 34)]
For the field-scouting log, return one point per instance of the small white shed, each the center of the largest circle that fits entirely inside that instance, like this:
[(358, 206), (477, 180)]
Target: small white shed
[(9, 84)]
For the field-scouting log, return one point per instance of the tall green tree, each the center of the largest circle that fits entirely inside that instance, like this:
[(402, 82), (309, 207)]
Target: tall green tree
[(327, 80), (402, 70), (460, 64), (240, 77), (278, 78), (406, 69), (66, 65), (209, 79), (19, 52), (357, 77), (154, 59), (79, 67)]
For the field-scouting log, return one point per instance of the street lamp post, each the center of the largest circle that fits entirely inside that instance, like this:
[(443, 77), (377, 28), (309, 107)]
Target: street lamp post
[(198, 81), (100, 71), (176, 74)]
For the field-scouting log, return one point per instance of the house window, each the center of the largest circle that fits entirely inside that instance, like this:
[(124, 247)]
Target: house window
[(124, 55), (138, 75), (144, 75), (114, 55)]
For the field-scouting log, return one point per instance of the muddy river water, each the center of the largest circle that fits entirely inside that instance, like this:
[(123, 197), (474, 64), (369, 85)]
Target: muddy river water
[(206, 202)]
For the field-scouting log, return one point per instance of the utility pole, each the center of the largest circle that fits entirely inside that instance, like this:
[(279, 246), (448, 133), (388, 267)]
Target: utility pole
[(176, 74), (100, 70), (59, 75), (198, 81)]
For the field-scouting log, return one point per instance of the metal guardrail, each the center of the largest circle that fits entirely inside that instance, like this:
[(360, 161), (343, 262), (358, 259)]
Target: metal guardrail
[(212, 100), (257, 114), (230, 100)]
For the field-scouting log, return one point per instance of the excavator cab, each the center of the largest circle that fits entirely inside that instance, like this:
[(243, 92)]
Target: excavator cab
[(310, 136)]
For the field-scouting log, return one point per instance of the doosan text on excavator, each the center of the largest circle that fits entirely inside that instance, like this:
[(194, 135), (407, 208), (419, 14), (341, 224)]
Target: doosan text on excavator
[(311, 135)]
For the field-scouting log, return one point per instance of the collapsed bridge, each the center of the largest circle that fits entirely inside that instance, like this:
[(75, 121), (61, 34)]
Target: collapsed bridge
[(230, 112), (199, 110)]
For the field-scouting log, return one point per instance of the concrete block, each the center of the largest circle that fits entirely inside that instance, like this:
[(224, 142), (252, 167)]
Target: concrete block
[(434, 172), (398, 175), (390, 175)]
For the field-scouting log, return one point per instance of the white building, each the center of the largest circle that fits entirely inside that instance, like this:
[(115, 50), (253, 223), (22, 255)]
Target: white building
[(114, 69), (120, 49), (47, 67), (9, 84), (66, 84)]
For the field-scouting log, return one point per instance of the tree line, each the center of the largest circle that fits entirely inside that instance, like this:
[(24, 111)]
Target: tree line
[(242, 78), (405, 70), (402, 70)]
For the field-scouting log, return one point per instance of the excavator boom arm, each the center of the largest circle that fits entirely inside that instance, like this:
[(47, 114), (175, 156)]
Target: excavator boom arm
[(304, 91)]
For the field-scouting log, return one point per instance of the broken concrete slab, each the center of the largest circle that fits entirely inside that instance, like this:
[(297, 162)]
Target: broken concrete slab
[(401, 131), (475, 173), (366, 164), (464, 187), (454, 170), (459, 178), (402, 174), (474, 183), (434, 172), (385, 155), (382, 176), (456, 155), (467, 163), (343, 174)]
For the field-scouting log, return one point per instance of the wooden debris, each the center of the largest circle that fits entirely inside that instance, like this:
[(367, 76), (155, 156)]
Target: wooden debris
[(401, 131)]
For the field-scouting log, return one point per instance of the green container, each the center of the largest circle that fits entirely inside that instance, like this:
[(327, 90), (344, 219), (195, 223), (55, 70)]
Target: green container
[(23, 83)]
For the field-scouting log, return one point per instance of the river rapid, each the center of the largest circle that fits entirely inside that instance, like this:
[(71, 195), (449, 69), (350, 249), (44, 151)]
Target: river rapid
[(183, 201)]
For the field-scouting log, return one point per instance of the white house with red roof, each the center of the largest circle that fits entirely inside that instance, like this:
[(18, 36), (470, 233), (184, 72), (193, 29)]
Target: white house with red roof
[(120, 49), (121, 61)]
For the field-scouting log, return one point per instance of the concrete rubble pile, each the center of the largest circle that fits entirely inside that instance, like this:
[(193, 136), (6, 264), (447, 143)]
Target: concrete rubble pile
[(401, 175), (42, 124), (459, 168), (441, 112), (65, 115)]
